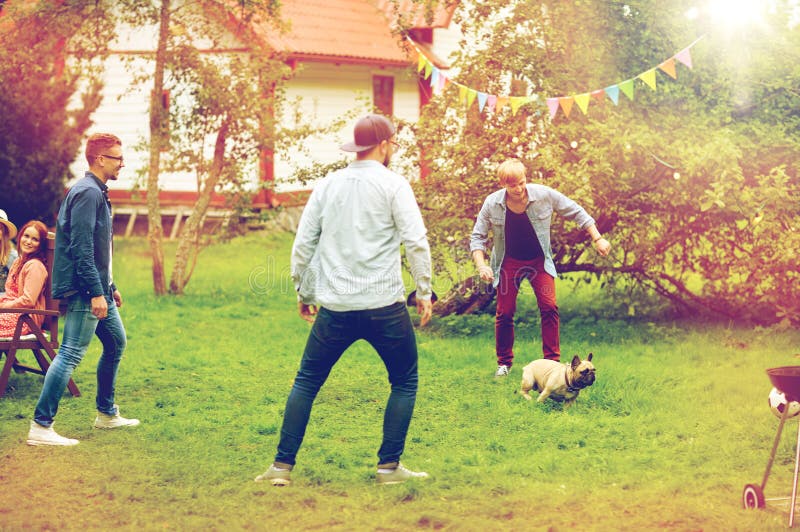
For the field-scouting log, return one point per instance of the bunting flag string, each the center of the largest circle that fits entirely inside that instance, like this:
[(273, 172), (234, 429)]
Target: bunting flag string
[(492, 103)]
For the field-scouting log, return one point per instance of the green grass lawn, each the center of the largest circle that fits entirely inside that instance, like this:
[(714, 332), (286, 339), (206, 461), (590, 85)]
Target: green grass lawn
[(675, 426)]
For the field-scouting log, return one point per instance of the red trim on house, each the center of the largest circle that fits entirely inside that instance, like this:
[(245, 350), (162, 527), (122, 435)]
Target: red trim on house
[(425, 94), (344, 60), (177, 198)]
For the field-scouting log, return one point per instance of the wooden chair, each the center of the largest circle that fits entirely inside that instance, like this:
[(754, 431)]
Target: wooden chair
[(41, 340)]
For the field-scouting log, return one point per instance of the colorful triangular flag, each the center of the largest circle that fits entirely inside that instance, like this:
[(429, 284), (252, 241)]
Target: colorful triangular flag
[(502, 101), (627, 88), (517, 102), (428, 69), (421, 60), (434, 78), (668, 66), (583, 101), (566, 104), (491, 101), (613, 93), (462, 93), (482, 96), (649, 78), (552, 104), (684, 57), (471, 95)]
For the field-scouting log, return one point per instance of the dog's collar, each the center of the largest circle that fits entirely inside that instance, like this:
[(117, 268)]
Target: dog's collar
[(570, 387)]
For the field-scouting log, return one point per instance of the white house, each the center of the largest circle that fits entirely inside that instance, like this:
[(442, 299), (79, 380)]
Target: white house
[(345, 58)]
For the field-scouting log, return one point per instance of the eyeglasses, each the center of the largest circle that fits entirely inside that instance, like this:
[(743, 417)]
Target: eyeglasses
[(120, 159)]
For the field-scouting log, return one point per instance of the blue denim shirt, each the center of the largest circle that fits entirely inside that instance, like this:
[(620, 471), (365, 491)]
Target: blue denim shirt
[(542, 202), (82, 262)]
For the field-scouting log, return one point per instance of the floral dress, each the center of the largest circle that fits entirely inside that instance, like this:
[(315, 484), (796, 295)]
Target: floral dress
[(24, 290)]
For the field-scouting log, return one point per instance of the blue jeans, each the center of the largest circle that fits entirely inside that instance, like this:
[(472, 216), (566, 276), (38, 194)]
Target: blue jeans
[(390, 332), (79, 327)]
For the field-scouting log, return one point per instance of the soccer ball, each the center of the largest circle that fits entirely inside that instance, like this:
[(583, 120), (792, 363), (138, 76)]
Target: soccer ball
[(777, 403)]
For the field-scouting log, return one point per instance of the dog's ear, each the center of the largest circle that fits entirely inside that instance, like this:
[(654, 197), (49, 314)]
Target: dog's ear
[(576, 361), (589, 358)]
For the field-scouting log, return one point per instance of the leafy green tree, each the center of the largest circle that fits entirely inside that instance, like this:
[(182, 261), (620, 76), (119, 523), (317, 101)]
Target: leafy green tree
[(695, 183), (45, 99), (221, 116)]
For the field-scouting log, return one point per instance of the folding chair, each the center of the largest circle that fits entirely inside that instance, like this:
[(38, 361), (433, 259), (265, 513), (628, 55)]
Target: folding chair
[(41, 340)]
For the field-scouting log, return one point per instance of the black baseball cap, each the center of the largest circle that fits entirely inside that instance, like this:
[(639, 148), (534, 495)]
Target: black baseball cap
[(369, 132)]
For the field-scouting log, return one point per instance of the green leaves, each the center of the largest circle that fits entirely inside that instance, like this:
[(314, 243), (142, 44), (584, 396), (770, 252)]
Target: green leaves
[(697, 186)]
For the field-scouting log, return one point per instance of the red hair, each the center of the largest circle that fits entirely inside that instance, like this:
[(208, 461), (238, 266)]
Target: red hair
[(40, 253)]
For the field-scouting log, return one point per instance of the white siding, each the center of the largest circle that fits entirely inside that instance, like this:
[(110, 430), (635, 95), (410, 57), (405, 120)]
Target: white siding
[(124, 110), (326, 92), (446, 41)]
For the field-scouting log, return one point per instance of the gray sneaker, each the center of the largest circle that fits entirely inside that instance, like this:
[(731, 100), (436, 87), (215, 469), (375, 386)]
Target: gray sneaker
[(105, 421), (398, 474), (502, 371), (277, 477)]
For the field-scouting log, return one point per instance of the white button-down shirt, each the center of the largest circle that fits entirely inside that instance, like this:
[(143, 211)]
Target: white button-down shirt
[(346, 255)]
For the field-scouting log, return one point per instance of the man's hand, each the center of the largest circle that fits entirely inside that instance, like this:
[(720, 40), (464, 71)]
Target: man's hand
[(117, 298), (424, 309), (602, 246), (99, 307), (307, 312), (486, 273)]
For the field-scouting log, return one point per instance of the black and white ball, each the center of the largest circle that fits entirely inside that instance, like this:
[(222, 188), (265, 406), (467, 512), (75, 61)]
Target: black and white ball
[(778, 403)]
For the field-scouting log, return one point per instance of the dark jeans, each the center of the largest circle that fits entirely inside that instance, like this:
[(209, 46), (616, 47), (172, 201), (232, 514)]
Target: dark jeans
[(512, 272), (390, 332)]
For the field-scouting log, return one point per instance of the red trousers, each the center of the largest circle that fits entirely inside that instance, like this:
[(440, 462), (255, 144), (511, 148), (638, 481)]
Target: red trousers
[(512, 272)]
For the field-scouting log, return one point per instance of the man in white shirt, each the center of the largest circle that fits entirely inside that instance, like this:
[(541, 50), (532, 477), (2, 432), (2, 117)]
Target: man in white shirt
[(346, 263)]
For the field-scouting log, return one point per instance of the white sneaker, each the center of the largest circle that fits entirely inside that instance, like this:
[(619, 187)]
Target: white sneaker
[(105, 421), (502, 371), (39, 435), (398, 475)]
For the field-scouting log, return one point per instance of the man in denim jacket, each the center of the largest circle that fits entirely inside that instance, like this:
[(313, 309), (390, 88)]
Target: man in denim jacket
[(82, 278), (519, 216)]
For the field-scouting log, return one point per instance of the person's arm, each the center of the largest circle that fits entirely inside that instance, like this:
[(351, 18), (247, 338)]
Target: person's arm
[(83, 219), (478, 240), (418, 252), (31, 283), (568, 208), (305, 244), (485, 271), (601, 245)]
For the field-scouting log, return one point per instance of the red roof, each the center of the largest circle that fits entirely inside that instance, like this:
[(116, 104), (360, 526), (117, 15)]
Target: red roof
[(352, 31), (416, 15)]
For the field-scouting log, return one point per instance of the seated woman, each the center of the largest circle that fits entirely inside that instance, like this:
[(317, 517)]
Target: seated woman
[(7, 252), (26, 278)]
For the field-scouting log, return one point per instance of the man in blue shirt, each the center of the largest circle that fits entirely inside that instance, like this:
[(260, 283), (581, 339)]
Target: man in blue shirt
[(82, 278), (346, 263), (519, 216)]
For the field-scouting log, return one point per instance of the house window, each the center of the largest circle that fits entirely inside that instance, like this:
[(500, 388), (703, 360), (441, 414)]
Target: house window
[(383, 94)]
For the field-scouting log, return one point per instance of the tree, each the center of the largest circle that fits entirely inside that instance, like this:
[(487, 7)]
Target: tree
[(45, 100), (695, 183), (222, 119)]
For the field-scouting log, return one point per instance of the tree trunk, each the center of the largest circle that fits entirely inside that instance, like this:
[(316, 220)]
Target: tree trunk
[(189, 238), (468, 297), (158, 141)]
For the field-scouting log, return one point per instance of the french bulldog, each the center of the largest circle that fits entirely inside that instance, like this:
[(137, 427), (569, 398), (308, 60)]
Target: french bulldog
[(559, 382)]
